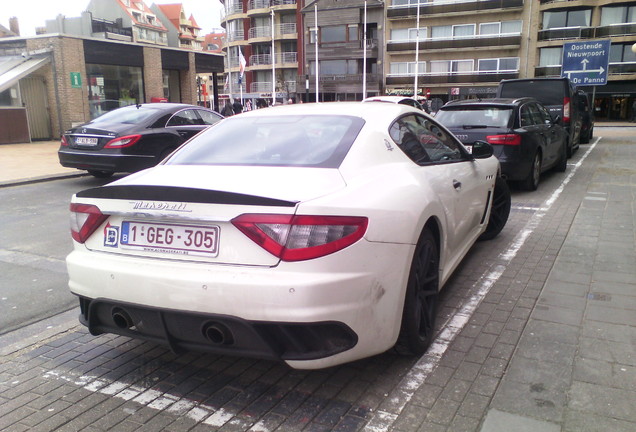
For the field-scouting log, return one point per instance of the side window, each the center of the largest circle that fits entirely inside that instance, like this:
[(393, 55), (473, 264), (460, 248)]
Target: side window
[(537, 116), (186, 117), (526, 116), (208, 117), (423, 141), (547, 118)]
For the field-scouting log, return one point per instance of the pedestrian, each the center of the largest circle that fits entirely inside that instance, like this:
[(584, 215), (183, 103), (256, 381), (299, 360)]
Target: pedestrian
[(227, 109), (633, 119), (248, 105), (237, 106)]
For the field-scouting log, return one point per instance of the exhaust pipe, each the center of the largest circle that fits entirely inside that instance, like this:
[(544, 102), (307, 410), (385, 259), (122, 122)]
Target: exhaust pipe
[(217, 333), (122, 319)]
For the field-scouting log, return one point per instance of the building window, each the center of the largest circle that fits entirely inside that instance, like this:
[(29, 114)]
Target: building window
[(410, 34), (618, 15), (622, 53), (569, 18), (333, 34), (171, 85), (497, 28), (453, 66), (550, 56), (451, 32), (117, 85), (406, 68), (498, 64)]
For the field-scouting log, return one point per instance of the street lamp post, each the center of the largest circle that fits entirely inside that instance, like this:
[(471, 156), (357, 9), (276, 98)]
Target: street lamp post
[(273, 63), (364, 55), (417, 49)]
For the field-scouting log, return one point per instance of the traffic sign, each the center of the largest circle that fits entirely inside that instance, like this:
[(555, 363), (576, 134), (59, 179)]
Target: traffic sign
[(586, 63)]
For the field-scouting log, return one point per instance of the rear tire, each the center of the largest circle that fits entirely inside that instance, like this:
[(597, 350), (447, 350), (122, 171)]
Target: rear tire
[(562, 165), (101, 174), (420, 300), (531, 182), (499, 211)]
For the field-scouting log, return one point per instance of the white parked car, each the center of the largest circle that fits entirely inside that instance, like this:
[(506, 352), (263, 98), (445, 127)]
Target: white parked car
[(403, 100), (315, 234)]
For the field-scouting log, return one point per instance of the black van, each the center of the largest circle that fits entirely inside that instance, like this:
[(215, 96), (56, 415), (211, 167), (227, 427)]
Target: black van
[(558, 95)]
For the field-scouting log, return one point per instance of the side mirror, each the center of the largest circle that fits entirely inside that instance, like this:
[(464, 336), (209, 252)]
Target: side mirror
[(482, 150)]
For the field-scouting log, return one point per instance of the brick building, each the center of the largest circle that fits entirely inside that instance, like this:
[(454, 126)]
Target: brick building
[(56, 81)]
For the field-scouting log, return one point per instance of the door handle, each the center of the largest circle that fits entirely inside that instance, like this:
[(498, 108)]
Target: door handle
[(457, 184)]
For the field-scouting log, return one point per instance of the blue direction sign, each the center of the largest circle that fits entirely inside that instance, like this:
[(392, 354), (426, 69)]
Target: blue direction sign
[(585, 63)]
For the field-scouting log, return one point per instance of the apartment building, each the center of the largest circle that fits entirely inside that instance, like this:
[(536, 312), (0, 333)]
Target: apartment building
[(262, 46), (459, 49), (182, 32), (134, 14), (346, 40), (560, 21)]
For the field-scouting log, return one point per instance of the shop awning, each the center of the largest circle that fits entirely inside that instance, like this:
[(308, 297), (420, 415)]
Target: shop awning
[(12, 69)]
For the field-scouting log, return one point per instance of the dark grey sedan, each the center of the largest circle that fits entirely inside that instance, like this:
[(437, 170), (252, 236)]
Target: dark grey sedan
[(525, 138), (132, 138)]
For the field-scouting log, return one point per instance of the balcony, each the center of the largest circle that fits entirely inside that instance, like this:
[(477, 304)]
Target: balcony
[(235, 36), (614, 69), (475, 41), (452, 77), (266, 59), (450, 6), (566, 33), (354, 49), (234, 7), (616, 30), (260, 7), (280, 31), (266, 87)]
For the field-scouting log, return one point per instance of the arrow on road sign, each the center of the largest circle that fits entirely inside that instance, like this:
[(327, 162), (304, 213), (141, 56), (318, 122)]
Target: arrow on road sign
[(584, 62)]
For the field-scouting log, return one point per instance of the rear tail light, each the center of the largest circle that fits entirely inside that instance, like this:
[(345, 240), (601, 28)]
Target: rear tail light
[(85, 219), (63, 141), (125, 141), (506, 139), (566, 110), (298, 238)]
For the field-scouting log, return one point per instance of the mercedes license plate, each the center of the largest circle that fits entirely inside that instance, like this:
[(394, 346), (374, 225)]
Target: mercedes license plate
[(86, 141), (171, 238)]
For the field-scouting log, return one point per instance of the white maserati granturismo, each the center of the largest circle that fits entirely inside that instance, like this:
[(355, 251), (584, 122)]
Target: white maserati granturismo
[(314, 234)]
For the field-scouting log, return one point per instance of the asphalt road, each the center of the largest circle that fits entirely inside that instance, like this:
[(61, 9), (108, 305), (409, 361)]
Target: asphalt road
[(34, 241)]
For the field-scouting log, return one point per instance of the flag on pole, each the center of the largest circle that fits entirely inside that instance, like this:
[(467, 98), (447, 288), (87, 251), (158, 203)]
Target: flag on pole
[(227, 82), (242, 64)]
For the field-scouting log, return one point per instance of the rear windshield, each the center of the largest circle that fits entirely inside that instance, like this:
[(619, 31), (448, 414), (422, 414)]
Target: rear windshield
[(475, 117), (307, 140), (547, 92), (130, 114)]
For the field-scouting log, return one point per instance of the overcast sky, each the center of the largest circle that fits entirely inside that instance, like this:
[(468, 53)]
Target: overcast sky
[(33, 13)]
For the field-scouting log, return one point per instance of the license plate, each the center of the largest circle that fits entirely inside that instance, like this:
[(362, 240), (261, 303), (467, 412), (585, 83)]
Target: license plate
[(170, 238), (86, 141)]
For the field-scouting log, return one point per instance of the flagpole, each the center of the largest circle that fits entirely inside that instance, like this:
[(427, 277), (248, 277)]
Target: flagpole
[(273, 62), (229, 54), (316, 48), (364, 56), (417, 50)]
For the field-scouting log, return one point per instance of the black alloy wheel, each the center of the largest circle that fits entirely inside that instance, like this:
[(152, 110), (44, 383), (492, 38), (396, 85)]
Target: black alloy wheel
[(499, 211), (420, 302)]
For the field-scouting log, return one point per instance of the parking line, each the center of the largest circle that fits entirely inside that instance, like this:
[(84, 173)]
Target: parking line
[(382, 420)]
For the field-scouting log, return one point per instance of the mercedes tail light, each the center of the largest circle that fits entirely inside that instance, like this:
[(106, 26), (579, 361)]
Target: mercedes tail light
[(125, 141), (299, 238), (85, 219), (505, 139), (566, 110), (63, 141)]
